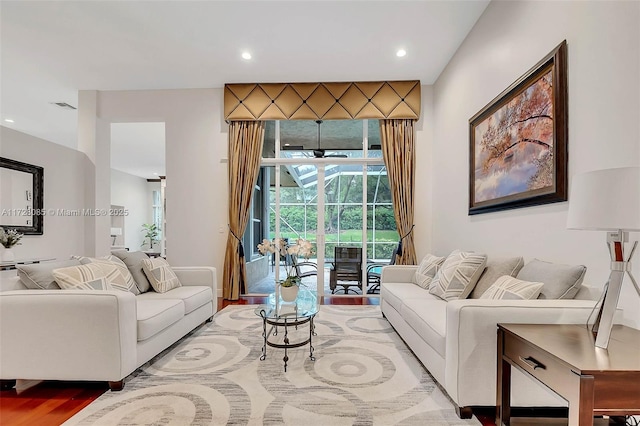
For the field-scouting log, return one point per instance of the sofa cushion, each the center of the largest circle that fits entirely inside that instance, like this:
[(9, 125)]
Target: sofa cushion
[(428, 317), (458, 275), (154, 315), (560, 281), (192, 296), (39, 276), (496, 267), (114, 261), (509, 288), (427, 270), (133, 260), (92, 276), (396, 293), (160, 274)]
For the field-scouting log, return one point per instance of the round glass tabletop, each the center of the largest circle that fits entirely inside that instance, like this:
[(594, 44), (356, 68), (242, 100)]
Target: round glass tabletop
[(305, 305)]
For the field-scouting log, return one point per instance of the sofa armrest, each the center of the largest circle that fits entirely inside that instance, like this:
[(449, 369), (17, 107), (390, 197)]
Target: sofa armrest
[(197, 275), (471, 342), (398, 273), (67, 335)]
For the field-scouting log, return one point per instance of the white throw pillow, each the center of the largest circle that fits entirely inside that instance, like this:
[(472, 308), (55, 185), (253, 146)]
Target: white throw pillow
[(458, 275), (160, 274), (130, 284), (92, 276), (427, 270), (510, 288)]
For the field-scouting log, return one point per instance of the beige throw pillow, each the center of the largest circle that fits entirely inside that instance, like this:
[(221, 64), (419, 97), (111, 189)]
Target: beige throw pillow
[(458, 275), (92, 276), (160, 274), (133, 260), (510, 288), (427, 270), (130, 284), (560, 281), (495, 268)]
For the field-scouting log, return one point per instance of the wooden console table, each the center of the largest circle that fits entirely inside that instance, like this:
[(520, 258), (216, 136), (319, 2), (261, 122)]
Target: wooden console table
[(593, 380)]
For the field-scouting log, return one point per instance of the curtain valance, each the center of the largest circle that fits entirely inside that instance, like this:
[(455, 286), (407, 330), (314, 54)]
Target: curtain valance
[(322, 101)]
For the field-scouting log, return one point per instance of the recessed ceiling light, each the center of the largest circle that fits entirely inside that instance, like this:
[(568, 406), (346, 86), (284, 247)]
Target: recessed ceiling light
[(155, 174), (287, 144), (8, 120), (400, 53), (246, 55)]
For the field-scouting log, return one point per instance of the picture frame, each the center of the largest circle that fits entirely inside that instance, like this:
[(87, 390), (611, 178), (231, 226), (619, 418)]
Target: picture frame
[(518, 142)]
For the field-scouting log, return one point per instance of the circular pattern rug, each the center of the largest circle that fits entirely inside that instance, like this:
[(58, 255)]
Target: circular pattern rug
[(363, 374)]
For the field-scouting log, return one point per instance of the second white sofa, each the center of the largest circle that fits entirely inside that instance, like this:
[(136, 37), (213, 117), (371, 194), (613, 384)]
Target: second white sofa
[(456, 340)]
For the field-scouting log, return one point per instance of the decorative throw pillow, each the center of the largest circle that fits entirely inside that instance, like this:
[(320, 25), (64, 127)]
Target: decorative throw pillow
[(112, 260), (560, 281), (160, 274), (39, 276), (92, 276), (496, 267), (133, 260), (509, 288), (458, 275), (427, 270)]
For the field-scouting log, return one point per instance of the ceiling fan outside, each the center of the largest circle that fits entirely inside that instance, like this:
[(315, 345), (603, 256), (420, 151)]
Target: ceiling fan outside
[(320, 152)]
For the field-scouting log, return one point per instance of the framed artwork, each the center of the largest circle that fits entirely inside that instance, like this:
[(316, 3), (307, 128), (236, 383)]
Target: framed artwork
[(518, 142)]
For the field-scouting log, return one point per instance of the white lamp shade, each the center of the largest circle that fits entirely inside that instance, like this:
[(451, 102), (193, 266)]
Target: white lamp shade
[(605, 200), (116, 231)]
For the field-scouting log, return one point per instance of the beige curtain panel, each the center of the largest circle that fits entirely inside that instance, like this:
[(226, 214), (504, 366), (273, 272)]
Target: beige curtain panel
[(398, 150), (245, 150)]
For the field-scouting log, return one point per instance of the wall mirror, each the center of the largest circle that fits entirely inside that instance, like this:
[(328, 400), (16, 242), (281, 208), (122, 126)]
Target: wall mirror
[(21, 196)]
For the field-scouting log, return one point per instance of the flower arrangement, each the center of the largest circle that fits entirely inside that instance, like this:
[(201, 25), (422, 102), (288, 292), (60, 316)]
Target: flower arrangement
[(301, 248), (9, 237)]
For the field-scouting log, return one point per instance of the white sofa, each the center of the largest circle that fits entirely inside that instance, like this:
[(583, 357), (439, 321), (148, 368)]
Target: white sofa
[(457, 340), (96, 335)]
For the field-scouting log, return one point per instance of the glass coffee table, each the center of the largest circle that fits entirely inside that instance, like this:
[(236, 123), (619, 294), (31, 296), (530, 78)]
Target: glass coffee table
[(288, 314)]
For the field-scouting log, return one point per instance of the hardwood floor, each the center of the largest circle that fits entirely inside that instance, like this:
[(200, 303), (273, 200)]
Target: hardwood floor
[(50, 403)]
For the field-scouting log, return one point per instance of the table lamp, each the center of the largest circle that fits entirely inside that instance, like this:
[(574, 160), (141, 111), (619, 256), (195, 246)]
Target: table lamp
[(608, 200)]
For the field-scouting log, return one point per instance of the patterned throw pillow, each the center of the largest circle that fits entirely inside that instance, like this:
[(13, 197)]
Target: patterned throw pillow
[(92, 276), (113, 260), (458, 275), (509, 288), (427, 270), (160, 274)]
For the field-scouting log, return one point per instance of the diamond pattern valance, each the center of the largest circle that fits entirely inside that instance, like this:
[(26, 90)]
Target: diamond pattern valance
[(326, 101)]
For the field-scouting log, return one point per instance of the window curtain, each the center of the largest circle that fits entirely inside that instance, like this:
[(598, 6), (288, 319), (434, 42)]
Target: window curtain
[(398, 151), (245, 151)]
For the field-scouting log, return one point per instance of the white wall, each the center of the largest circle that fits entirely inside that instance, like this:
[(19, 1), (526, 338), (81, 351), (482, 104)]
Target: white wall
[(64, 173), (133, 193), (196, 141), (603, 41)]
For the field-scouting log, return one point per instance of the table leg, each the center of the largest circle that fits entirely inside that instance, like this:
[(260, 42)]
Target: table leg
[(264, 336), (503, 386), (286, 345), (581, 412), (311, 334)]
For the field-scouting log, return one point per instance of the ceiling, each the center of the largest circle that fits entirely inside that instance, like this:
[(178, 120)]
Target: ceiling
[(51, 49)]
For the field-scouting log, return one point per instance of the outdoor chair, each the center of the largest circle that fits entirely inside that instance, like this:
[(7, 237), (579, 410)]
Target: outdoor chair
[(346, 270), (374, 271), (304, 269)]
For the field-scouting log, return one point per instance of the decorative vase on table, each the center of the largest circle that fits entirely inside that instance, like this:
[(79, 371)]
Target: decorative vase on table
[(8, 255), (289, 289)]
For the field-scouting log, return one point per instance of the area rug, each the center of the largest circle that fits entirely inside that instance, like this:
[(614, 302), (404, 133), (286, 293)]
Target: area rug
[(363, 374)]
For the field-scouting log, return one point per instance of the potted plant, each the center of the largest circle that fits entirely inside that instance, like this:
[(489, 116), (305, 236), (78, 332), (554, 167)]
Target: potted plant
[(152, 232), (8, 239), (290, 285)]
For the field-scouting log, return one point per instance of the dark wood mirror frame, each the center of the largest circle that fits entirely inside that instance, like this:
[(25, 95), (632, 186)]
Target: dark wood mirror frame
[(38, 197)]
